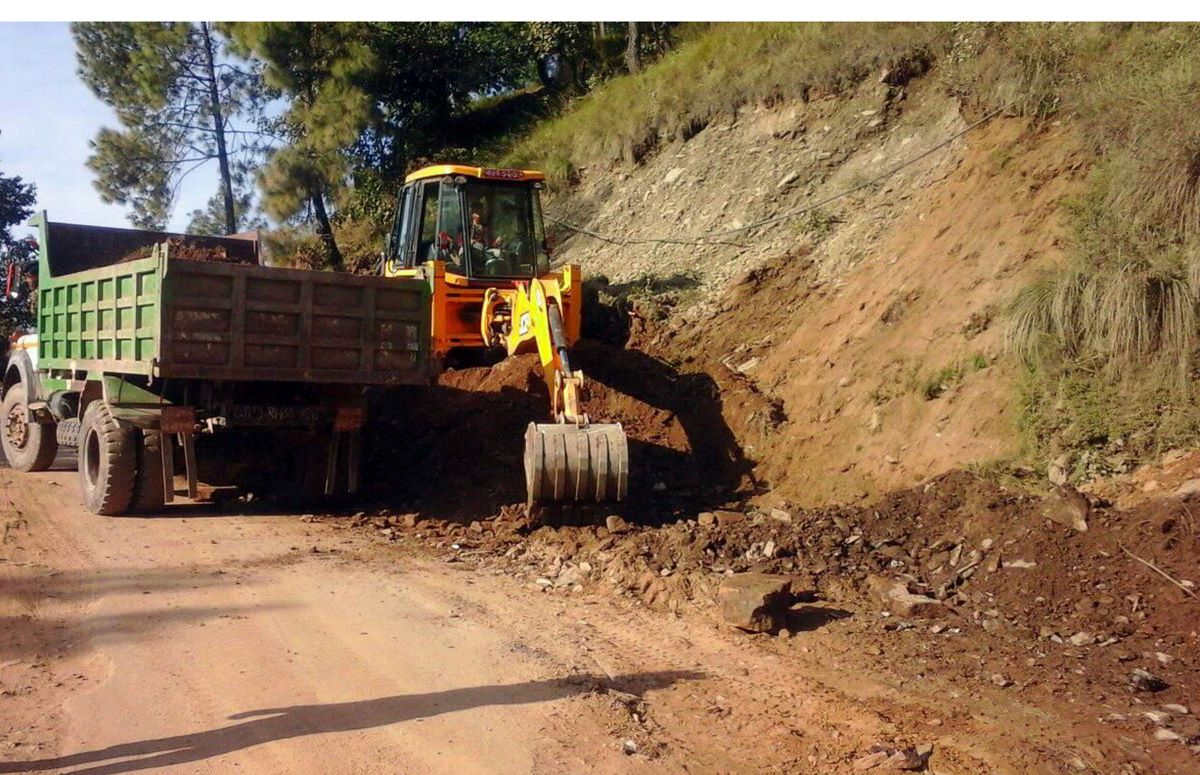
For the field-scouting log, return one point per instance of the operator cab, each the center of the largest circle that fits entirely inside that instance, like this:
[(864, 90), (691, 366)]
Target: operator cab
[(485, 224)]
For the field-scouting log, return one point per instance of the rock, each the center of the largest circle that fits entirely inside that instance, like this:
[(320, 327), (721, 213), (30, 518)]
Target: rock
[(729, 518), (757, 602), (999, 679), (870, 761), (1145, 681), (895, 596), (910, 759), (1190, 487), (410, 520), (779, 515), (672, 175), (886, 757), (788, 179), (748, 366), (1019, 564), (1167, 735), (1057, 470), (629, 747), (1068, 507), (1082, 639), (706, 519), (1159, 717), (570, 577), (1178, 709), (616, 524)]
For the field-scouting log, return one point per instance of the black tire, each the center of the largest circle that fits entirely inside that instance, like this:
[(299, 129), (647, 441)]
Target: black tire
[(29, 446), (107, 461), (148, 493)]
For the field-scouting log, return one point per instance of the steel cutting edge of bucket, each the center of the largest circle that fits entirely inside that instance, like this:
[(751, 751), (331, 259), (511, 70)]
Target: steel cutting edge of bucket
[(576, 463)]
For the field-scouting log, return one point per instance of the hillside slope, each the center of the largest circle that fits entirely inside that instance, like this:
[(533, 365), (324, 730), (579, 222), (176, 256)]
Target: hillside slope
[(871, 321)]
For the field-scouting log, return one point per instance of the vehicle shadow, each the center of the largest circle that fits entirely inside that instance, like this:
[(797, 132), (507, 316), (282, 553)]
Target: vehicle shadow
[(265, 725)]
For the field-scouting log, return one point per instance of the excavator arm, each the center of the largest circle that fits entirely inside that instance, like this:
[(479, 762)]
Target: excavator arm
[(572, 458)]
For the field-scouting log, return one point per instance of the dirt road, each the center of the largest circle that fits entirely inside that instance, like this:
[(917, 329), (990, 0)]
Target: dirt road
[(205, 642)]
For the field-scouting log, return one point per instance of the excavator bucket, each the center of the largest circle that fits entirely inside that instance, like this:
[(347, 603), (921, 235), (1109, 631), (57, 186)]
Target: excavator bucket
[(568, 463)]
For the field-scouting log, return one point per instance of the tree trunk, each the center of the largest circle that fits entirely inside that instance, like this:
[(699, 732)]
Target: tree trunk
[(214, 105), (633, 56), (325, 231)]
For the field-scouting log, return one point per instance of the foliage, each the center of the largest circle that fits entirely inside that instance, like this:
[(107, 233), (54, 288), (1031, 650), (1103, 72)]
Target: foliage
[(177, 96), (211, 219), (322, 70), (1110, 338), (17, 199)]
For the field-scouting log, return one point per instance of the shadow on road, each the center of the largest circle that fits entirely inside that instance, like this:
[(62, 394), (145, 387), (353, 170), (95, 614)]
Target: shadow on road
[(30, 636), (266, 725)]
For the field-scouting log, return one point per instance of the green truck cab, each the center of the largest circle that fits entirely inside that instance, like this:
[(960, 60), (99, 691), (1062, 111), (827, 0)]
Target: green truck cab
[(156, 350)]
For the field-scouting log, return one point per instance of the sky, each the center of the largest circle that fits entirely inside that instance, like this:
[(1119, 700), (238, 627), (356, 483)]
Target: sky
[(47, 118)]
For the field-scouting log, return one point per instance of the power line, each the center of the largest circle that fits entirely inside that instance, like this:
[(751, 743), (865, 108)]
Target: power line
[(710, 237)]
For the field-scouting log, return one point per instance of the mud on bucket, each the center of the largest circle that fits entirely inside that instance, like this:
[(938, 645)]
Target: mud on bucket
[(576, 463)]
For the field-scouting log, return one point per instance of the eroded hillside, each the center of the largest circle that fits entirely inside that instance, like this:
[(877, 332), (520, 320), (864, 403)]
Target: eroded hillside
[(870, 321)]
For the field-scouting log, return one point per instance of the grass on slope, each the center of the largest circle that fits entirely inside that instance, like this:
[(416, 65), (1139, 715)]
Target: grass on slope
[(724, 67)]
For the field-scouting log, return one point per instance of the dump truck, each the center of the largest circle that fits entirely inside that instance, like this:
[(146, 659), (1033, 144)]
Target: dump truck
[(156, 352)]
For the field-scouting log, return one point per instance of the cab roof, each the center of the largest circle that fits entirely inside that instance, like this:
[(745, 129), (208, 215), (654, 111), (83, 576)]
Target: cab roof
[(482, 173)]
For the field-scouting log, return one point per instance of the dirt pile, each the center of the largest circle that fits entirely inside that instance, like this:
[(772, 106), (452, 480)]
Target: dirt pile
[(185, 249), (463, 438)]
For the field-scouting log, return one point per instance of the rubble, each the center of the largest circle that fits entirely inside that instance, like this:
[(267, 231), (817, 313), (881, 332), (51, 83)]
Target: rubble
[(1145, 681), (755, 602)]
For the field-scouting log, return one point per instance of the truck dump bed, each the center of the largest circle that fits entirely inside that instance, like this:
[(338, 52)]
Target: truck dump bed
[(103, 307)]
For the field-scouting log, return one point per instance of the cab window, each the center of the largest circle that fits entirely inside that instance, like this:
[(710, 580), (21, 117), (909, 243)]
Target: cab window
[(500, 231), (427, 243), (450, 228), (399, 253)]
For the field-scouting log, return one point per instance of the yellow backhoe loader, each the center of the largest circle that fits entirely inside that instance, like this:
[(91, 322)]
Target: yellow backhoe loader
[(476, 236)]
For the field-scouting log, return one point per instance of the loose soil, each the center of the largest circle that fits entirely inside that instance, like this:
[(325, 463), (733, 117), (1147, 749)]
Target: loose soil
[(185, 249)]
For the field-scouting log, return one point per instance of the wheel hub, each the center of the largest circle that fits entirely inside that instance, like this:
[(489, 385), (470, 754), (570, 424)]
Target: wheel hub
[(16, 430)]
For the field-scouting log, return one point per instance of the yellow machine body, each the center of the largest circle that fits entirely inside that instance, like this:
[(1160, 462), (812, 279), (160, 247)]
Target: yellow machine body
[(476, 236)]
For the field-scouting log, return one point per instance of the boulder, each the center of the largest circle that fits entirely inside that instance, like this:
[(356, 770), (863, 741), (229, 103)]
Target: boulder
[(756, 602), (1068, 507), (616, 524)]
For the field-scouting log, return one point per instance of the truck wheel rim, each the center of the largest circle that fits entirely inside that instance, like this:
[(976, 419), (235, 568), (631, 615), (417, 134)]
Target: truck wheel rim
[(16, 430)]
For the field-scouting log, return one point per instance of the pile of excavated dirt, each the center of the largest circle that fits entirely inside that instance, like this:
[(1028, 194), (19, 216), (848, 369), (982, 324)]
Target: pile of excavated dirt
[(457, 446), (185, 249), (1013, 595)]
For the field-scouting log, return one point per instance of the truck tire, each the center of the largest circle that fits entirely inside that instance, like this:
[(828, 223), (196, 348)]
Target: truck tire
[(147, 484), (29, 446), (107, 461)]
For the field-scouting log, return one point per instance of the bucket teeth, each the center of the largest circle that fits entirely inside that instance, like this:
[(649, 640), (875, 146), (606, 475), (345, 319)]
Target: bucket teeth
[(567, 463)]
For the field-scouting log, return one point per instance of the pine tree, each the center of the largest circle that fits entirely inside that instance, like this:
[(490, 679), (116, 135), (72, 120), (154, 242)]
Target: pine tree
[(176, 94)]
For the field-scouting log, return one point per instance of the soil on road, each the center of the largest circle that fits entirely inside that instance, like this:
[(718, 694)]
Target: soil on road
[(266, 643)]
